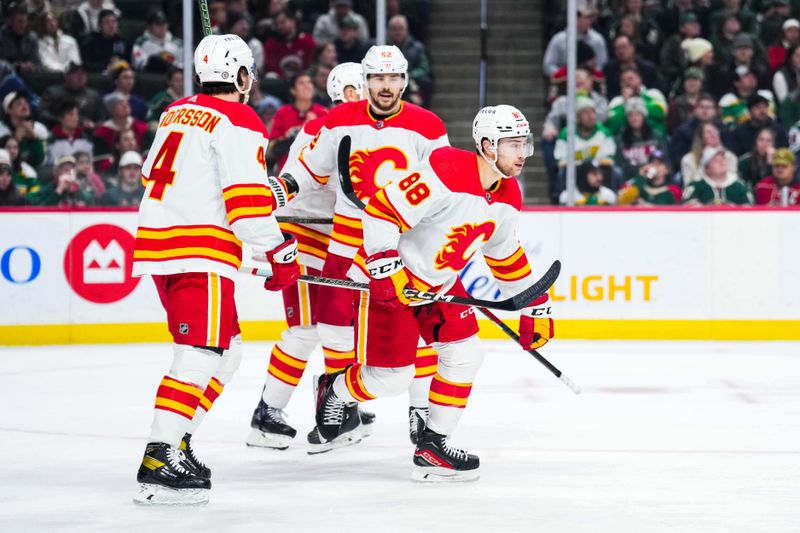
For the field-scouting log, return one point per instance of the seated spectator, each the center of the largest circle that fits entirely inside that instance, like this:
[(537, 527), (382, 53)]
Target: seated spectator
[(18, 43), (119, 111), (669, 18), (719, 184), (744, 54), (130, 190), (157, 49), (681, 107), (651, 185), (288, 52), (162, 99), (637, 140), (124, 81), (67, 136), (108, 164), (74, 88), (420, 85), (746, 18), (101, 48), (758, 117), (723, 40), (682, 138), (587, 61), (9, 196), (632, 87), (84, 172), (785, 79), (757, 163), (781, 188), (673, 61), (56, 49), (589, 182), (18, 120), (290, 118), (25, 177), (771, 20), (65, 190), (239, 25), (643, 33), (328, 26), (350, 48), (699, 53), (319, 77), (89, 15), (555, 55), (779, 51), (733, 105), (706, 136), (626, 58), (325, 54)]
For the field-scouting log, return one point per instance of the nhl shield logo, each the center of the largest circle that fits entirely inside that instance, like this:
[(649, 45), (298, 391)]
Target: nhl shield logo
[(379, 124), (290, 312), (183, 328)]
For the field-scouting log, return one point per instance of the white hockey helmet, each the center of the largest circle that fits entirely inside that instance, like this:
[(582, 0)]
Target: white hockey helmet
[(499, 122), (385, 59), (218, 59), (345, 75)]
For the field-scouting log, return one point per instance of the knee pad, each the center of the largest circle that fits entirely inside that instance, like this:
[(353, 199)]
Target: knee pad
[(339, 338), (460, 361), (231, 359), (194, 364), (381, 381)]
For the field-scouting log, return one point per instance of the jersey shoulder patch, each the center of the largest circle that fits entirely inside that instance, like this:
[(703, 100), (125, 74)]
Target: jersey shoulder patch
[(457, 170)]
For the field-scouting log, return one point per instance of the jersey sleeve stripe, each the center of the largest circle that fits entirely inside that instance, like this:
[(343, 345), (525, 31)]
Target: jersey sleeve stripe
[(187, 231), (382, 213), (248, 212), (248, 189), (492, 262), (513, 276), (320, 179), (383, 205), (511, 268)]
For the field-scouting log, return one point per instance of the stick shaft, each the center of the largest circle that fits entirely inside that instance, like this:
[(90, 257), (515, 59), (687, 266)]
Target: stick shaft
[(205, 17)]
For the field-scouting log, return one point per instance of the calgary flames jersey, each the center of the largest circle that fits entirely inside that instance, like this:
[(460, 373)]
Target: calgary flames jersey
[(206, 190), (312, 239), (383, 150), (438, 216)]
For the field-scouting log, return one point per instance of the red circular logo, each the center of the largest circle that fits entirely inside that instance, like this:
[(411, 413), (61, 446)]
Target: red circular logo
[(98, 263)]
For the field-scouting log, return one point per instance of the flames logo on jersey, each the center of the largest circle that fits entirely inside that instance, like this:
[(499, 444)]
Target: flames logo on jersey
[(462, 241), (364, 165)]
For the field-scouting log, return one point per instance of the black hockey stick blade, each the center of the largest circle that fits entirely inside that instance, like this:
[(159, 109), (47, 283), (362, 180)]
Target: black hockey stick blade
[(526, 297), (343, 161), (303, 220)]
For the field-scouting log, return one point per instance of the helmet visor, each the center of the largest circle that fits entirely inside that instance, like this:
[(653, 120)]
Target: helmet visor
[(379, 81), (515, 146)]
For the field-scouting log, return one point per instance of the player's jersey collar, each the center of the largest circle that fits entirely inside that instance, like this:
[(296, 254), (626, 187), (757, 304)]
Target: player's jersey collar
[(379, 121)]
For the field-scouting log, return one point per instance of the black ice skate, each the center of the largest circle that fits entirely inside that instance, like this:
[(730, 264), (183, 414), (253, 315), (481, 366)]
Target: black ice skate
[(367, 422), (270, 429), (165, 480), (436, 461), (192, 463), (337, 422), (417, 418)]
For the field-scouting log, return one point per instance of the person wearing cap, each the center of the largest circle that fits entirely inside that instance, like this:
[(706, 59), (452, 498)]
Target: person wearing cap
[(74, 88), (555, 55), (589, 182), (327, 26), (56, 48), (64, 188), (18, 43), (626, 58), (288, 51), (757, 163), (745, 52), (733, 105), (159, 102), (682, 104), (632, 87), (157, 49), (782, 187), (651, 185), (18, 120), (130, 190), (102, 47), (67, 137), (719, 183), (673, 61), (758, 117), (350, 48), (9, 196), (637, 140), (778, 51)]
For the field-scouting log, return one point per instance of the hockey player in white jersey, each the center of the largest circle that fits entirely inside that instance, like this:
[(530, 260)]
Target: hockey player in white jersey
[(207, 193), (420, 231)]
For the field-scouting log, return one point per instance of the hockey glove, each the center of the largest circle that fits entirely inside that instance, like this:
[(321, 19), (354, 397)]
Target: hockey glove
[(536, 324), (389, 278), (283, 259), (280, 191)]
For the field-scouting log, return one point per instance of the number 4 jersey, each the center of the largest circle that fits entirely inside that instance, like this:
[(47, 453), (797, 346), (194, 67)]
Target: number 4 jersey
[(206, 190)]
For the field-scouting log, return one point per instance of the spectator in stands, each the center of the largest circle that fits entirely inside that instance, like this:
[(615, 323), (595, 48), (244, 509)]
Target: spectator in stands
[(682, 106), (781, 188), (290, 118), (108, 163), (266, 109), (699, 53), (707, 136), (771, 21), (637, 140), (288, 52), (89, 15), (779, 51), (130, 190), (18, 44), (56, 49), (592, 140), (74, 88), (732, 8), (555, 56), (785, 79), (124, 81), (673, 61), (757, 163), (419, 68), (65, 189), (328, 26), (157, 49), (718, 183), (589, 182), (119, 111), (651, 185), (25, 177), (743, 54), (349, 46), (9, 197), (18, 120), (632, 87), (758, 117), (733, 105), (682, 138), (162, 99), (84, 172), (239, 25), (669, 19), (319, 77), (587, 61), (643, 33), (100, 48), (67, 137), (625, 58), (325, 54), (219, 17)]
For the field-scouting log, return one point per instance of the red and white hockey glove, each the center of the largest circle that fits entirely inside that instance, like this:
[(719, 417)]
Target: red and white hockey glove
[(389, 278), (536, 324), (283, 259)]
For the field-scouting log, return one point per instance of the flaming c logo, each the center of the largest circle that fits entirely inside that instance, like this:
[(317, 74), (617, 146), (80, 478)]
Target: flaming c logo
[(461, 244), (364, 165)]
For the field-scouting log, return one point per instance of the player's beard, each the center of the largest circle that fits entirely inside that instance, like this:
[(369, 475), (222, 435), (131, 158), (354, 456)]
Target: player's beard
[(375, 103), (508, 168)]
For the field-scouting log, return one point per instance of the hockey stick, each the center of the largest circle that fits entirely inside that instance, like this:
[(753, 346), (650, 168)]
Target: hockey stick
[(343, 161), (304, 220), (205, 17), (539, 357)]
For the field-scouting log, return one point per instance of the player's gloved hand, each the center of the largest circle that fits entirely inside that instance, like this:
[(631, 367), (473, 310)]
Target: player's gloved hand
[(536, 324), (280, 191), (283, 259), (389, 278)]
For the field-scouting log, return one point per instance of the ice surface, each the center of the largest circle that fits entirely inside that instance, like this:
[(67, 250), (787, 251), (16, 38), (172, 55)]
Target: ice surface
[(667, 437)]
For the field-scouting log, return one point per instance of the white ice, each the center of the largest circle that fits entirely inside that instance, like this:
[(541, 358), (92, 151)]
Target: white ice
[(667, 437)]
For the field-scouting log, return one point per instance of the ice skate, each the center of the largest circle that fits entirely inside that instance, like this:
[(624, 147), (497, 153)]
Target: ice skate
[(192, 463), (367, 422), (417, 418), (270, 429), (436, 461), (165, 480)]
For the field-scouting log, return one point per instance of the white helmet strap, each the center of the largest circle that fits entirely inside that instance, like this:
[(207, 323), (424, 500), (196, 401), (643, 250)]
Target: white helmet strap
[(244, 91), (493, 162)]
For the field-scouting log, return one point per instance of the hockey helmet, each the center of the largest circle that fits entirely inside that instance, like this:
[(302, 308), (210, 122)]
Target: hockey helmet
[(385, 59), (345, 75), (218, 59), (500, 122)]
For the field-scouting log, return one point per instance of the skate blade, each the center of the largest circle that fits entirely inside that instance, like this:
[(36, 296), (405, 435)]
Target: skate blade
[(342, 441), (442, 475), (150, 494), (259, 439)]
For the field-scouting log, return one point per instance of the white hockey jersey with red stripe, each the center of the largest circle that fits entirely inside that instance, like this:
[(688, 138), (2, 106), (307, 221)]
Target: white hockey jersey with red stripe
[(206, 191), (383, 150), (439, 215), (314, 202)]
